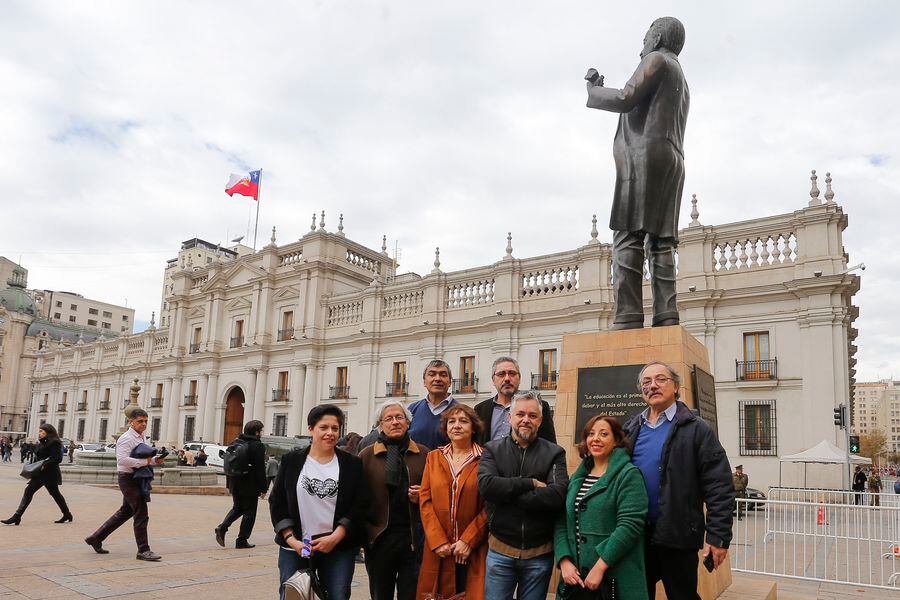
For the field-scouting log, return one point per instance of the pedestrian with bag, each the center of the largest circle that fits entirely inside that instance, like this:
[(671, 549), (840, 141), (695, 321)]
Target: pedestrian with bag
[(134, 503), (245, 469), (599, 541), (452, 510), (317, 506), (48, 475)]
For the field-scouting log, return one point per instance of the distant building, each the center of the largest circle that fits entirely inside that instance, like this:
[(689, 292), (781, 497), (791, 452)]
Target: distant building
[(271, 334), (877, 407), (75, 309), (24, 335)]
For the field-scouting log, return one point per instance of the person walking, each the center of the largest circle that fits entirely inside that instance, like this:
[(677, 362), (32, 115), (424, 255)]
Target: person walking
[(49, 449), (393, 467), (452, 511), (247, 482), (859, 485), (599, 540), (271, 471), (874, 485), (318, 506), (684, 468), (523, 480), (494, 412), (134, 505), (740, 480)]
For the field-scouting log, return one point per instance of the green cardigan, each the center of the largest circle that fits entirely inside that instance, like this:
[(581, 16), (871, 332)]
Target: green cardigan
[(612, 525)]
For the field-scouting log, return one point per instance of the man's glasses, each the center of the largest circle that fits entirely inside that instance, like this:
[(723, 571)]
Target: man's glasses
[(391, 419), (504, 374), (659, 380)]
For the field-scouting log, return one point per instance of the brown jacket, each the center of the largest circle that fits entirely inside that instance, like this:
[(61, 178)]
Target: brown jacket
[(373, 458), (471, 520)]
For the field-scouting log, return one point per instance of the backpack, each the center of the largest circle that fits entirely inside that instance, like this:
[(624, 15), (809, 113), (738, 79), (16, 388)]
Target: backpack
[(237, 459)]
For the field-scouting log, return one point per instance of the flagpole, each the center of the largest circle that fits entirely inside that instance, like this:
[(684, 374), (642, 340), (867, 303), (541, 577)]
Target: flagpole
[(258, 196)]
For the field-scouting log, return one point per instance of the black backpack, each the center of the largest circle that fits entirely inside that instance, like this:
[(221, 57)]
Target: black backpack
[(237, 459)]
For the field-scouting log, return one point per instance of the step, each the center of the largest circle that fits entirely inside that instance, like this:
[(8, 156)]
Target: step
[(751, 587)]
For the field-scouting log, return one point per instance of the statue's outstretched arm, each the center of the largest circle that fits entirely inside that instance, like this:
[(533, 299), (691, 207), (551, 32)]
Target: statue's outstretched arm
[(640, 86)]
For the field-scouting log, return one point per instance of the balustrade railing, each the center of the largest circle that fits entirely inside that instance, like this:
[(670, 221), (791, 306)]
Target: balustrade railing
[(156, 402), (465, 385), (545, 282), (237, 341), (750, 370), (285, 334), (347, 313), (750, 253), (281, 395), (363, 262), (291, 258), (403, 304), (394, 389), (104, 405), (190, 400), (471, 293), (543, 381), (61, 406), (81, 406), (338, 392)]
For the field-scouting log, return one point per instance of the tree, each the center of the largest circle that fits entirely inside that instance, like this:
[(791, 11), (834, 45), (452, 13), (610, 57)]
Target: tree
[(872, 444)]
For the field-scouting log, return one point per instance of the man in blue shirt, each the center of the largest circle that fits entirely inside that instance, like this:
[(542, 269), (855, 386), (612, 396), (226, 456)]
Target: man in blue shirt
[(684, 467), (425, 426)]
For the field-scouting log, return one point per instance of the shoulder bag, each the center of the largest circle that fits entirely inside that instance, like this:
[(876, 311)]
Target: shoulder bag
[(32, 470)]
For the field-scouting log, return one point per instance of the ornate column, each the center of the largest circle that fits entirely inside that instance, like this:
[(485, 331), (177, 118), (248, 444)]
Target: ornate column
[(167, 408), (214, 406), (251, 397), (296, 411), (202, 407), (259, 395)]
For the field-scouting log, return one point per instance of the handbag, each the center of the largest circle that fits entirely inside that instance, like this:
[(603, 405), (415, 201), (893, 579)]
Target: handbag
[(305, 585), (32, 470), (608, 590), (434, 595)]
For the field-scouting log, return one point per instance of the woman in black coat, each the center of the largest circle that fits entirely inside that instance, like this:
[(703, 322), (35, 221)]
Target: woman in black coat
[(49, 447)]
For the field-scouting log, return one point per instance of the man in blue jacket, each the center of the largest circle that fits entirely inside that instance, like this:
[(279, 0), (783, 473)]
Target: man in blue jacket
[(425, 427), (684, 467)]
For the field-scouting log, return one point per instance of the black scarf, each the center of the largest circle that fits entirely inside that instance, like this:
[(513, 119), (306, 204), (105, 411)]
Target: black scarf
[(393, 464)]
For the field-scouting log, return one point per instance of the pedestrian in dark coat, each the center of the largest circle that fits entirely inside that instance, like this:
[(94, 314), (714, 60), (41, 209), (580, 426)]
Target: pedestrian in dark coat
[(247, 489), (49, 448)]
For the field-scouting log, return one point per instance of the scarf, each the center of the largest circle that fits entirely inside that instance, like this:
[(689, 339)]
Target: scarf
[(393, 464)]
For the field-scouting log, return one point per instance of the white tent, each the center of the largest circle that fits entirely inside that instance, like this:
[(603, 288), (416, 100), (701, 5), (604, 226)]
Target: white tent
[(822, 453)]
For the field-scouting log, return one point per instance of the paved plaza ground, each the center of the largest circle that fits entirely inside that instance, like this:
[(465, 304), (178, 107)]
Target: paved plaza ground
[(40, 559)]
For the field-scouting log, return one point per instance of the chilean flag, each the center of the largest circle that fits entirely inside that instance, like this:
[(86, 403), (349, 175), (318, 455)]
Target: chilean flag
[(244, 185)]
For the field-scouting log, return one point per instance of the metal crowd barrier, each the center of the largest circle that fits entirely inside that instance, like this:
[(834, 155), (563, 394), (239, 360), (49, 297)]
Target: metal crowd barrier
[(884, 498), (817, 540)]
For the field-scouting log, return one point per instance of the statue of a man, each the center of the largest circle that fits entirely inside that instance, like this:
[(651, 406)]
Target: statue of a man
[(649, 155)]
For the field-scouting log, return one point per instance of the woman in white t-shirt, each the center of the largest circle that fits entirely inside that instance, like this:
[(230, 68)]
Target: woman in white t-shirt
[(319, 497)]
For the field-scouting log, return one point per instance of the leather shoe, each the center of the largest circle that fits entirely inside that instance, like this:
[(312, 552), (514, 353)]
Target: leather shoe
[(243, 544), (97, 546), (148, 555), (220, 537)]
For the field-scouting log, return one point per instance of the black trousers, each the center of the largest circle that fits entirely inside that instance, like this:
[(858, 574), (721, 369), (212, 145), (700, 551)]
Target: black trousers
[(133, 506), (52, 488), (391, 563), (677, 568), (242, 505), (630, 248)]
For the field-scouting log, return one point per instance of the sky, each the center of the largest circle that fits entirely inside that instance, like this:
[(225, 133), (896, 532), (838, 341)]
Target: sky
[(434, 123)]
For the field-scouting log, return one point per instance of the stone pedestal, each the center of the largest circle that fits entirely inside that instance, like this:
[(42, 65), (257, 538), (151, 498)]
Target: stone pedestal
[(672, 345)]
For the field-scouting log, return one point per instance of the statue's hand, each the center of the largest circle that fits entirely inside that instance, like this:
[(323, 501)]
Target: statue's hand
[(593, 78)]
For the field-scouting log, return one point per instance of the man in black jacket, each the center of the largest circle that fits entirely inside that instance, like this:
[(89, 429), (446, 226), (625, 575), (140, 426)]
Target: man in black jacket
[(247, 489), (494, 412), (523, 480), (684, 466)]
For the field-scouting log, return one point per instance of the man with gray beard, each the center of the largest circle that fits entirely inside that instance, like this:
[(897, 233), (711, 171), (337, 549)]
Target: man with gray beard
[(523, 480)]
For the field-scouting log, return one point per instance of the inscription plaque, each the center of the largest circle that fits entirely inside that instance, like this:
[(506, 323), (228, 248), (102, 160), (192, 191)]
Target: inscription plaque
[(609, 391), (705, 397)]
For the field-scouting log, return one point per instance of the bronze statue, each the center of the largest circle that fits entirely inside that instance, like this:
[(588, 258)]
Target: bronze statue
[(649, 155)]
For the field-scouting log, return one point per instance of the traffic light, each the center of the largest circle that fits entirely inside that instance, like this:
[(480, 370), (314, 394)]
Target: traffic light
[(839, 420), (854, 444)]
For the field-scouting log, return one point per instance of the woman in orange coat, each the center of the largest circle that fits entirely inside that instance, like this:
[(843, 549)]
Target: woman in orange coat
[(452, 510)]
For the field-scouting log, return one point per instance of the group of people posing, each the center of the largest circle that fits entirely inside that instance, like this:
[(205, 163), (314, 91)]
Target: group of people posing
[(446, 498)]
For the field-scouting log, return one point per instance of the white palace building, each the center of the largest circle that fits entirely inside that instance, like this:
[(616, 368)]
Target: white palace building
[(270, 334)]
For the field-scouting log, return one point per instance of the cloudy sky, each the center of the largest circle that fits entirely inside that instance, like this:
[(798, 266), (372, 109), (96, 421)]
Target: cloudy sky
[(436, 123)]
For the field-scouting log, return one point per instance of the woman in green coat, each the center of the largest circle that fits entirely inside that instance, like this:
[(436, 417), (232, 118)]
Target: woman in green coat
[(601, 535)]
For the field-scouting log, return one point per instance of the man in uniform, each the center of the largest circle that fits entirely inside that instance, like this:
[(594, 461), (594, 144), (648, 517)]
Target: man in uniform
[(740, 480)]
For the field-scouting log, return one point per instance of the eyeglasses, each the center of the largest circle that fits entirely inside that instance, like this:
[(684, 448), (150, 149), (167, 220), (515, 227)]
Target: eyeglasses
[(659, 380), (391, 419), (503, 374)]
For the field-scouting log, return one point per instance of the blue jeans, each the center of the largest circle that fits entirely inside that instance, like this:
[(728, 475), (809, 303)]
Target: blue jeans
[(503, 573), (335, 570)]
